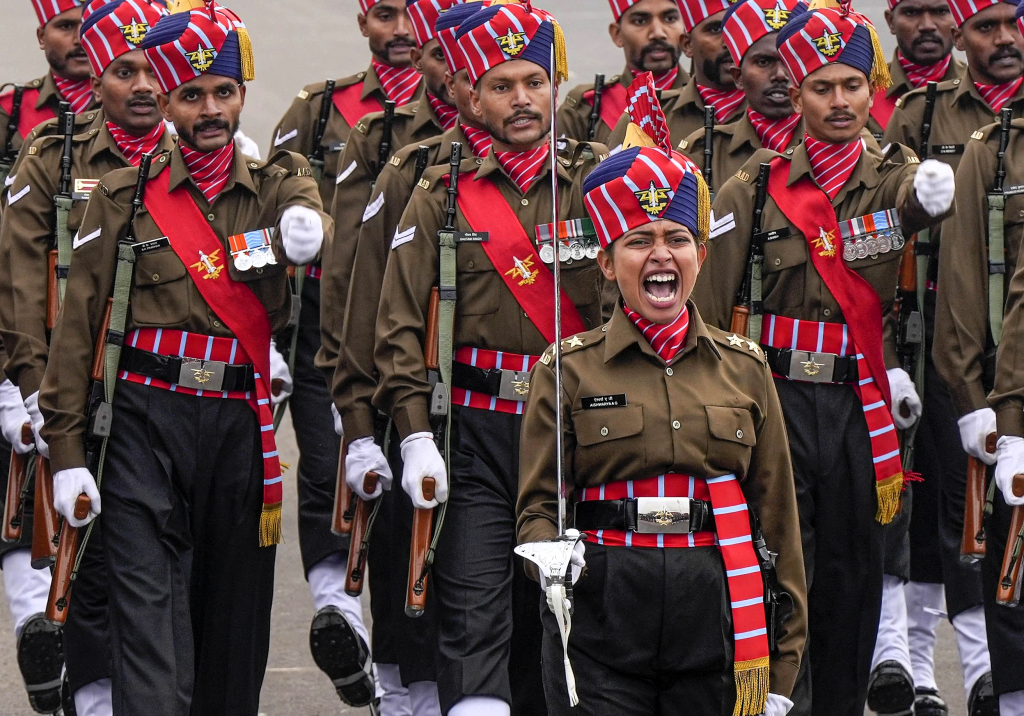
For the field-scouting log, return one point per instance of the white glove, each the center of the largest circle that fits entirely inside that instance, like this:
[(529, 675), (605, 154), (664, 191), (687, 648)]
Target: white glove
[(248, 147), (302, 234), (576, 560), (903, 392), (279, 371), (338, 428), (32, 407), (364, 455), (974, 428), (777, 705), (421, 458), (13, 417), (67, 486), (934, 186), (1009, 462)]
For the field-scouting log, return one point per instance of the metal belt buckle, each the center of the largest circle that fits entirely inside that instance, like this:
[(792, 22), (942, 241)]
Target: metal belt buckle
[(663, 515), (812, 367), (201, 374), (515, 385)]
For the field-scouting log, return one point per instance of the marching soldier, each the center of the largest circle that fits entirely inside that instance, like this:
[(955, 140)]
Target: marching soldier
[(640, 438), (191, 481), (828, 282), (489, 631), (129, 126), (750, 28), (712, 82), (650, 34)]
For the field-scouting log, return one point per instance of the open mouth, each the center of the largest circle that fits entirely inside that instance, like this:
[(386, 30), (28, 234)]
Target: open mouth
[(661, 287)]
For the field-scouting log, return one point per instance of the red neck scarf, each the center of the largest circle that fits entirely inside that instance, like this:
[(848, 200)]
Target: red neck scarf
[(446, 114), (775, 134), (479, 140), (666, 339), (399, 83), (832, 164), (78, 93), (920, 75), (725, 102), (998, 95), (523, 167), (133, 147), (209, 170)]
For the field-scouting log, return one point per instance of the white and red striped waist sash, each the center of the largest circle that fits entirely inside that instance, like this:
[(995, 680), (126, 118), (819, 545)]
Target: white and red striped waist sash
[(314, 272), (813, 336), (181, 344), (490, 360)]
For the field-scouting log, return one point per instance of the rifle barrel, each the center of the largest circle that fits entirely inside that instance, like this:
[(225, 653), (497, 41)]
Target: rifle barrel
[(321, 125), (926, 122), (595, 107)]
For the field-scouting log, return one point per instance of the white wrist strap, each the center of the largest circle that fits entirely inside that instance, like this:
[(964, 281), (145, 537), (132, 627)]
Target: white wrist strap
[(559, 606)]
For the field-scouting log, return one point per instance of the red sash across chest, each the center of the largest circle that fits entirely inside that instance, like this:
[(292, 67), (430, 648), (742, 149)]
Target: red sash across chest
[(883, 108), (30, 117), (349, 101)]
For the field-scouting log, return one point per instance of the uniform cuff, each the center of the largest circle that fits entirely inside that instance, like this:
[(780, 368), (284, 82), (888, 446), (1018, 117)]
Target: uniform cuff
[(1010, 418), (358, 421), (66, 452), (968, 397), (782, 677), (29, 381), (412, 417)]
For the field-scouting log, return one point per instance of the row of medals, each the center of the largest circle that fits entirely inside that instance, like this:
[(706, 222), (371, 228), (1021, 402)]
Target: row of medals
[(575, 249), (254, 258), (874, 244)]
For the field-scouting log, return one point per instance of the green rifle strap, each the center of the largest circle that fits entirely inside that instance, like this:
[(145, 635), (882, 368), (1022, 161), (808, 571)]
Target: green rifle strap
[(923, 257), (996, 265), (317, 165), (63, 204), (300, 281), (754, 323), (5, 171)]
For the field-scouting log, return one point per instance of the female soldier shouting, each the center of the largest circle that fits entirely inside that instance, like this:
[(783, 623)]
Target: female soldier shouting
[(674, 442)]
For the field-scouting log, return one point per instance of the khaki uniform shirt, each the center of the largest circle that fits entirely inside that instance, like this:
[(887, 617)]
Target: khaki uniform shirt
[(732, 145), (29, 233), (684, 111), (901, 86), (297, 129), (164, 292), (717, 413), (360, 165), (961, 324), (573, 118), (792, 286), (487, 314)]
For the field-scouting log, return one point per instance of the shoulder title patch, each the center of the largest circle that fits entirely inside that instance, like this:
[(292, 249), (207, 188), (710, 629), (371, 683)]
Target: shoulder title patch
[(423, 184), (978, 134), (742, 175), (899, 102), (394, 161), (683, 144), (303, 94), (303, 172)]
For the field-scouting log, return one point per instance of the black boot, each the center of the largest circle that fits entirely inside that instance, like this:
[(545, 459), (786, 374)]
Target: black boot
[(41, 660), (983, 701), (929, 703), (891, 690), (342, 654)]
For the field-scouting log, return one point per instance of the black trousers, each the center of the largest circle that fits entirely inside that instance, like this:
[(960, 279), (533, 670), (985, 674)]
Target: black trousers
[(842, 544), (319, 445), (398, 639), (651, 636), (190, 588), (489, 631), (938, 523), (1005, 625), (25, 542), (87, 630)]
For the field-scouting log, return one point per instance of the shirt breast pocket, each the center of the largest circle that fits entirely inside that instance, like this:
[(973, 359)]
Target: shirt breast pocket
[(479, 285), (160, 292), (611, 438), (784, 260), (880, 270), (731, 437)]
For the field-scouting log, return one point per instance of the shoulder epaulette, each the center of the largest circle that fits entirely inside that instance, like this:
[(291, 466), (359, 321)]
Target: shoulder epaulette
[(282, 161), (317, 88), (906, 154), (576, 343), (738, 343)]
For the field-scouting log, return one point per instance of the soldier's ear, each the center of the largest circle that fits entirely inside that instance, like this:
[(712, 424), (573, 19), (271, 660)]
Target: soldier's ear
[(795, 98), (606, 262), (958, 39)]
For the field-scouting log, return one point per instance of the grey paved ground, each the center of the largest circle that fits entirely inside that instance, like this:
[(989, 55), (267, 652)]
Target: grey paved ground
[(298, 42)]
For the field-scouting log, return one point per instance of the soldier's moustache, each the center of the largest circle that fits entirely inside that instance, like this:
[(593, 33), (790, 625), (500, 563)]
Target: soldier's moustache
[(841, 115), (658, 46), (927, 37), (521, 114), (1003, 53)]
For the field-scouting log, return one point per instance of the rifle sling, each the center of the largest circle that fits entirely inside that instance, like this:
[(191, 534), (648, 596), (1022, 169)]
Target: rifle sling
[(996, 264), (64, 239)]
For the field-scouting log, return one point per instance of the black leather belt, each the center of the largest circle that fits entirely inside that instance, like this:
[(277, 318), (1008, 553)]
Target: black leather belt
[(812, 367), (201, 375), (654, 515), (500, 383)]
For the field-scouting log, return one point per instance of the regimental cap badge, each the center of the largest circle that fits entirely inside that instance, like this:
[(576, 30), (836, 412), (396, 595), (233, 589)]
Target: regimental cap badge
[(830, 43), (653, 199), (512, 43), (202, 58), (777, 17), (135, 32)]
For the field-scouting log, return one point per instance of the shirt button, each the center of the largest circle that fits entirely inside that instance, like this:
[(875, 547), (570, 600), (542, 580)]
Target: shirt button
[(668, 371), (471, 264), (216, 324), (739, 434), (778, 261), (827, 312), (675, 424), (525, 202), (211, 217), (604, 432), (156, 277)]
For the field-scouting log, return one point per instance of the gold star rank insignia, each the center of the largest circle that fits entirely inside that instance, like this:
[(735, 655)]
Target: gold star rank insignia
[(207, 264), (653, 199), (777, 16), (830, 43), (134, 32), (573, 342), (202, 59), (512, 43), (523, 270), (753, 348), (735, 340)]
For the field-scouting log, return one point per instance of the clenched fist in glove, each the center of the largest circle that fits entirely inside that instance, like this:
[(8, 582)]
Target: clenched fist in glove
[(903, 393), (32, 407), (1009, 462), (364, 455), (577, 562), (421, 458), (279, 371), (974, 429), (777, 705), (934, 186), (13, 417), (302, 234), (67, 486)]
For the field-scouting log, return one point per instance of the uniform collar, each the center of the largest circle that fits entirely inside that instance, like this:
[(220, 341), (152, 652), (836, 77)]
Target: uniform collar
[(48, 92), (239, 172), (422, 113), (743, 133), (866, 171), (900, 84), (490, 164), (688, 95), (105, 141), (621, 334), (966, 87)]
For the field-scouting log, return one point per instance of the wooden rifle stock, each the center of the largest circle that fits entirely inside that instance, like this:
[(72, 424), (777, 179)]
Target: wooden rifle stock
[(422, 533), (1008, 592), (45, 522), (344, 500), (972, 544), (99, 352), (430, 345), (740, 324), (52, 292), (17, 475), (355, 574), (60, 585)]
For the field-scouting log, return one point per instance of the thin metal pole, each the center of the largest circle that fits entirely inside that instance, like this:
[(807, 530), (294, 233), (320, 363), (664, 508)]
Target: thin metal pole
[(557, 273)]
